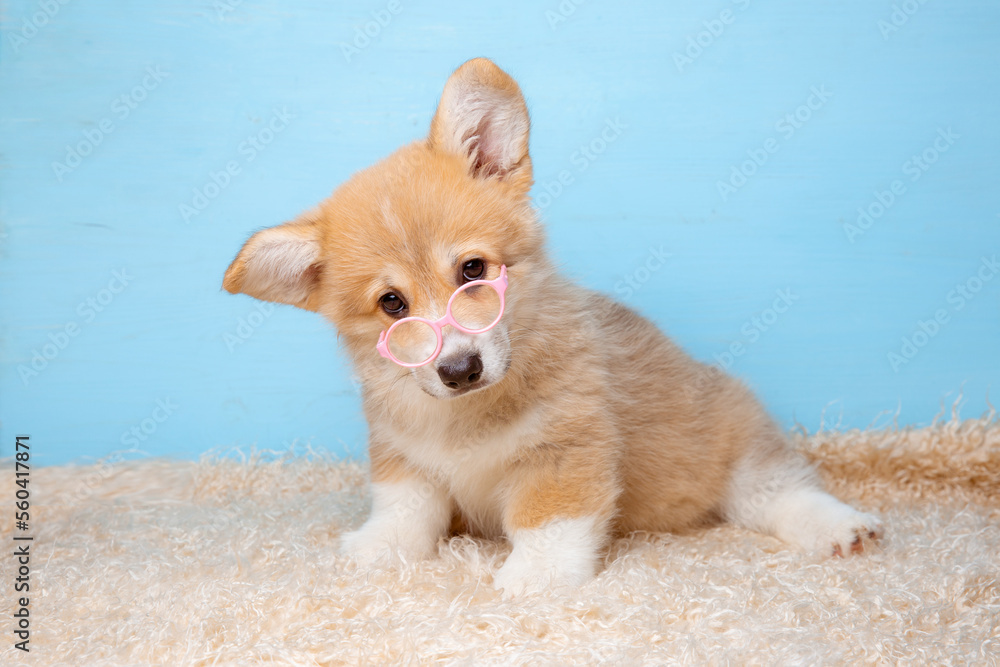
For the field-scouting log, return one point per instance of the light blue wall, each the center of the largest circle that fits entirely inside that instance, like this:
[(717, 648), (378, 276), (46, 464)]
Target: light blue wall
[(224, 69)]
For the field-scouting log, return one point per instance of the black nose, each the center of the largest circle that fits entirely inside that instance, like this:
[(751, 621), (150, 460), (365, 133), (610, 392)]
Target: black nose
[(460, 372)]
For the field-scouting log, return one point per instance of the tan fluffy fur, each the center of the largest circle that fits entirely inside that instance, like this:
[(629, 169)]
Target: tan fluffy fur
[(597, 414)]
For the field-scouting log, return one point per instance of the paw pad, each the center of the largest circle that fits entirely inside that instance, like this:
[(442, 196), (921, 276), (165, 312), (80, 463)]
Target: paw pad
[(862, 535)]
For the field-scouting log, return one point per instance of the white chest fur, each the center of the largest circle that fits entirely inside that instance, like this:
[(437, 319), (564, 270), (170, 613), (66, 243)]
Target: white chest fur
[(470, 464)]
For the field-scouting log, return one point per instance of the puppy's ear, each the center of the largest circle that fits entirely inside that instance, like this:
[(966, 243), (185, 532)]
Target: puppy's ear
[(482, 116), (279, 264)]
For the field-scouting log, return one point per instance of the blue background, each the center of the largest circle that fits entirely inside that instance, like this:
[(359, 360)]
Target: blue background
[(226, 68)]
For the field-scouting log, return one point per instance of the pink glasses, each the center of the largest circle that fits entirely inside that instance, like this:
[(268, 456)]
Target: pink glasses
[(474, 308)]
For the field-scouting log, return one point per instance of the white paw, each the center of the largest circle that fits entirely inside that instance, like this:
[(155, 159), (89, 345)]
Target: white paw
[(818, 522), (518, 577), (850, 535), (371, 544), (560, 555), (361, 544), (406, 522)]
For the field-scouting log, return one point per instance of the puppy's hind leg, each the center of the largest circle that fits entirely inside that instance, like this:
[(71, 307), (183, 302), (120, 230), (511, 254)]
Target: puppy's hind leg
[(776, 492)]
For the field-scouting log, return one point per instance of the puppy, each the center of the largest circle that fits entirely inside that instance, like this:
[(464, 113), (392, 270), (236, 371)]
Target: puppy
[(503, 397)]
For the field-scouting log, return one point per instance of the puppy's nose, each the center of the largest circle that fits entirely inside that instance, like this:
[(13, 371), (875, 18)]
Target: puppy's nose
[(460, 372)]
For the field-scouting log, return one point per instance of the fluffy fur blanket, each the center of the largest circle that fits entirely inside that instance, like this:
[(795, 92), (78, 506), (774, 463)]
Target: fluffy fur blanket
[(234, 562)]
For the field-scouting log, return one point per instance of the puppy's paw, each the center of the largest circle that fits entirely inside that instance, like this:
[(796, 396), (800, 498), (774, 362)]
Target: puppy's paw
[(560, 555), (819, 523), (522, 575), (855, 534), (518, 576), (406, 521), (372, 544), (366, 546)]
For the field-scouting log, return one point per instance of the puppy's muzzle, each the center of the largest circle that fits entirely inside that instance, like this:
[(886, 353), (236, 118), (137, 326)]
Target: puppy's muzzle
[(460, 372)]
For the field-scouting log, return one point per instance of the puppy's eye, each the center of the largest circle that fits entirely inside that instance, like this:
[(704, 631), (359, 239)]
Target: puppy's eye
[(392, 304), (474, 269)]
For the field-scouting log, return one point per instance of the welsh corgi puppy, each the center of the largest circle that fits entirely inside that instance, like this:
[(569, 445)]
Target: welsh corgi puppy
[(502, 398)]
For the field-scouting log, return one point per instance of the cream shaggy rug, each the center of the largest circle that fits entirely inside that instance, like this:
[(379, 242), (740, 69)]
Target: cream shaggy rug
[(234, 562)]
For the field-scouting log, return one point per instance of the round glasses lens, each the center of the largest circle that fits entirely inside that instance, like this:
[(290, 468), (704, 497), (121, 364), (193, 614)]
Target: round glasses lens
[(476, 307), (413, 342)]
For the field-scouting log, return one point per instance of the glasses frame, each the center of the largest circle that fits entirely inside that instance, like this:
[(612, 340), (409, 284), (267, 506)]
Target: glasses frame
[(499, 284)]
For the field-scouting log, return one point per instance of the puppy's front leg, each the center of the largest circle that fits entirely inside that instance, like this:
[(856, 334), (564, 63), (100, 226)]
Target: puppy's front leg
[(558, 521), (409, 514)]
